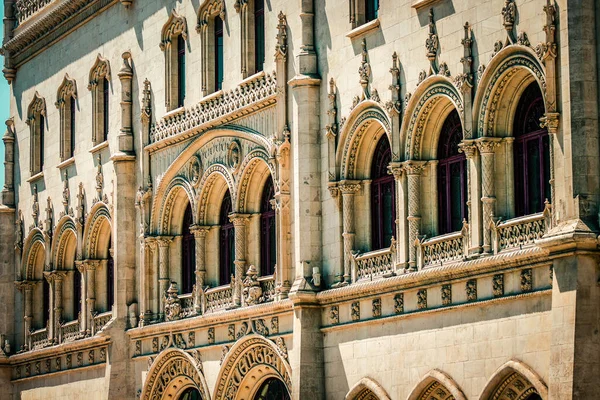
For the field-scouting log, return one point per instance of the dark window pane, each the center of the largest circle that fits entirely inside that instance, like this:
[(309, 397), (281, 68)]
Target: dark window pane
[(46, 302), (41, 149), (267, 239), (371, 10), (105, 109), (72, 133), (180, 71), (383, 210), (110, 279), (76, 293), (218, 53), (188, 253), (259, 34), (227, 247)]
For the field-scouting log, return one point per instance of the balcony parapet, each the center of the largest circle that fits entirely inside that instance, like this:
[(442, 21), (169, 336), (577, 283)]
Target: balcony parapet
[(443, 249), (374, 264), (520, 232)]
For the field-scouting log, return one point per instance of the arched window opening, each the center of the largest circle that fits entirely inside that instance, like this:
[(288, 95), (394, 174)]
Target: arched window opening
[(188, 253), (531, 153), (105, 98), (268, 241), (46, 302), (76, 293), (227, 242), (371, 10), (533, 396), (110, 278), (41, 149), (259, 34), (190, 394), (72, 130), (272, 389), (383, 197), (452, 176), (180, 71), (218, 53)]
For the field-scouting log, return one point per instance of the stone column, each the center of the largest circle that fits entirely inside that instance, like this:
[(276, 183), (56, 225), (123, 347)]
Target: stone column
[(200, 238), (152, 292), (473, 193), (413, 170), (551, 121), (126, 133), (51, 320), (27, 288), (84, 322), (8, 191), (90, 273), (510, 173), (401, 229), (163, 273), (239, 223), (486, 147), (58, 277), (348, 190)]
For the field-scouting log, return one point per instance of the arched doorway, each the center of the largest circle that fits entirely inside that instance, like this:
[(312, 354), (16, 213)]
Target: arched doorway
[(190, 394), (272, 389)]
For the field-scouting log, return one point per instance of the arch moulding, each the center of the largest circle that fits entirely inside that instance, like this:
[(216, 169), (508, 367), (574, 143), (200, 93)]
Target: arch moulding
[(173, 372), (367, 386), (503, 378), (28, 260), (445, 382), (247, 365)]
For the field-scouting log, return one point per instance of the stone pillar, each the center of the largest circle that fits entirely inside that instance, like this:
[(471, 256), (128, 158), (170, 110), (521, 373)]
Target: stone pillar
[(126, 133), (90, 273), (510, 173), (8, 191), (153, 286), (51, 320), (200, 238), (26, 287), (401, 229), (551, 121), (58, 278), (163, 273), (85, 315), (348, 190), (473, 193), (486, 147), (413, 171), (239, 223)]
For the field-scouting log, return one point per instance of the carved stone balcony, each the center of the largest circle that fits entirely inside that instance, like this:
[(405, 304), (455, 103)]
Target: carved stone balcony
[(39, 339), (520, 232), (374, 264), (443, 249), (70, 332), (27, 8), (187, 305), (100, 321), (218, 298)]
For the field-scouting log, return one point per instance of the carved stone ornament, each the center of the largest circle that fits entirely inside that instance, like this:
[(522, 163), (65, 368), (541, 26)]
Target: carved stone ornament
[(281, 347), (526, 280), (138, 348), (399, 303), (194, 170), (224, 351), (376, 308), (172, 303), (234, 156), (471, 289), (355, 311), (281, 46), (155, 345), (432, 43), (334, 315), (364, 71), (252, 291), (447, 294), (260, 327), (498, 285), (422, 299), (509, 13), (231, 332), (211, 336), (275, 325), (242, 331), (99, 179), (35, 208)]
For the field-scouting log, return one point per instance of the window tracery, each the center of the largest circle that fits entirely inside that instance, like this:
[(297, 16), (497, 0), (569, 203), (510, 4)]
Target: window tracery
[(99, 85), (66, 104), (173, 41), (210, 28), (36, 119)]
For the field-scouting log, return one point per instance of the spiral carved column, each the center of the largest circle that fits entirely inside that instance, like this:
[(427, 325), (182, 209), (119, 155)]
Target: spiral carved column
[(398, 172), (163, 273), (413, 170), (487, 147), (348, 190), (239, 223)]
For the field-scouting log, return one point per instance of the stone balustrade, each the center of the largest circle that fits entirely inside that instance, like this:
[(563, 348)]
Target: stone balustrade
[(39, 339), (27, 8), (218, 298), (378, 263), (519, 232), (100, 321), (267, 284), (443, 249), (70, 331), (187, 305)]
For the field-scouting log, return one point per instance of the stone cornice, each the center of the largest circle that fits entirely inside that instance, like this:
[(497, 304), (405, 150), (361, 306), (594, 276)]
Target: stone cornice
[(39, 34), (55, 351), (207, 320)]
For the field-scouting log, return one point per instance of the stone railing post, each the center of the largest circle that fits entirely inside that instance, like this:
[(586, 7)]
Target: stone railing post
[(487, 148), (200, 238), (27, 288), (163, 273), (469, 148), (239, 223), (348, 190), (413, 170)]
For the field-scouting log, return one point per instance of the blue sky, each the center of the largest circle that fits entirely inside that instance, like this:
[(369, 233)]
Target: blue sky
[(4, 111)]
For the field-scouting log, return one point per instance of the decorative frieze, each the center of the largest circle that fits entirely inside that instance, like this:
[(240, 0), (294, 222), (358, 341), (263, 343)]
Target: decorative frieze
[(275, 325), (355, 311), (526, 280), (399, 303), (376, 308), (471, 289), (447, 294), (498, 285), (422, 299), (59, 363), (231, 332), (211, 336), (334, 315)]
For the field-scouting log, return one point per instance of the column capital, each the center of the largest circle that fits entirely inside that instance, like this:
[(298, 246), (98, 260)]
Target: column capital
[(25, 285), (414, 167), (396, 169), (469, 148), (349, 187), (239, 219), (55, 276), (550, 121), (164, 241), (488, 144), (199, 231), (85, 265)]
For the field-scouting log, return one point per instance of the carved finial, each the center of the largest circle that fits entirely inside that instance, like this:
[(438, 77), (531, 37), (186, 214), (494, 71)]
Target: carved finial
[(364, 70), (332, 128), (126, 69), (509, 13), (66, 193), (146, 100), (464, 80), (80, 203), (35, 213), (99, 179), (48, 222), (432, 44), (548, 48), (281, 46), (394, 106)]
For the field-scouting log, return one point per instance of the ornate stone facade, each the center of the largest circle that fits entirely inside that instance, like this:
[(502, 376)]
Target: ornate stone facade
[(220, 242)]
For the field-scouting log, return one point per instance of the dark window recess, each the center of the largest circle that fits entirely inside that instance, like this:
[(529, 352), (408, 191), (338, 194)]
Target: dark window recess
[(41, 149), (272, 389), (190, 394), (531, 154), (383, 195), (218, 53), (110, 279), (76, 293), (452, 176), (259, 34), (371, 10), (180, 71), (105, 108), (188, 253), (46, 302), (72, 133), (227, 242), (268, 241)]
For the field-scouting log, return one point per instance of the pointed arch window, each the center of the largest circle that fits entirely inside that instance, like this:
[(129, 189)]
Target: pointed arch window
[(218, 56), (210, 26), (226, 241), (531, 153), (100, 87), (259, 35), (268, 244), (252, 23), (383, 197), (46, 302), (452, 176), (66, 104), (76, 293), (110, 278), (188, 253), (36, 114), (173, 38)]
